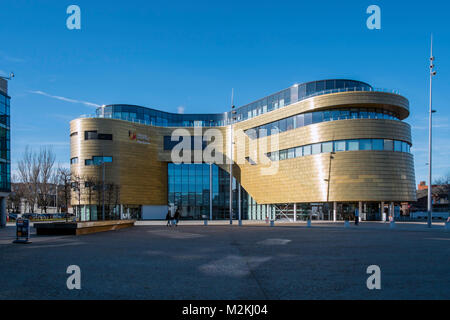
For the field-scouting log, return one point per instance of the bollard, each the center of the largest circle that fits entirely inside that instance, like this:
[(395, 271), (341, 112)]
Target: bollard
[(346, 224), (205, 222), (272, 223), (308, 223), (392, 224)]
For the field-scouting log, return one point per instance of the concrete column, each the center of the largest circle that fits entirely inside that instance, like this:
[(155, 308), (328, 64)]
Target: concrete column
[(334, 211), (3, 212), (360, 206), (295, 212), (382, 215)]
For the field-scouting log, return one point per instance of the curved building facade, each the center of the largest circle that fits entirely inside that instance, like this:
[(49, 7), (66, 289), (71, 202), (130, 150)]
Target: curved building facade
[(315, 150)]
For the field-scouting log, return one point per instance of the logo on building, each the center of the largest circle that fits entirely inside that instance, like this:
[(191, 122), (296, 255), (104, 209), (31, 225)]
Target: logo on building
[(139, 138), (132, 135)]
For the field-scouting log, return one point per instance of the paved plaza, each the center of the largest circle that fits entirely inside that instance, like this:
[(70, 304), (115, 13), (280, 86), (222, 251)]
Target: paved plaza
[(254, 261)]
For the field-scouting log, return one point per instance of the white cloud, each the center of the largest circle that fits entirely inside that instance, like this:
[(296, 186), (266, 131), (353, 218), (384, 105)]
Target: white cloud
[(86, 103), (180, 109)]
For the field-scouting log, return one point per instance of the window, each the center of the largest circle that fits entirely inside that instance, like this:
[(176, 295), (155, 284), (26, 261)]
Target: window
[(363, 114), (335, 114), (274, 156), (316, 148), (291, 153), (352, 145), (300, 120), (365, 144), (317, 117), (74, 160), (345, 114), (283, 154), (290, 123), (93, 135), (97, 160), (339, 145), (299, 151), (398, 146), (377, 144), (252, 133), (388, 145), (307, 119), (104, 136), (90, 135), (327, 147), (282, 125), (404, 147), (307, 150)]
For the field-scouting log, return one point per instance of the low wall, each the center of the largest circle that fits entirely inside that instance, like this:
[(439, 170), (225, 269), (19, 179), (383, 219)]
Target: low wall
[(79, 228)]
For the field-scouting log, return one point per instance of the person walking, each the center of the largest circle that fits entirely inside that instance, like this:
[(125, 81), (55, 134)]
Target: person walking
[(177, 216), (168, 218)]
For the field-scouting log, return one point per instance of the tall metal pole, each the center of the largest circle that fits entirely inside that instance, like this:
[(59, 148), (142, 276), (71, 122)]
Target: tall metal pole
[(103, 188), (239, 205), (56, 198), (210, 192), (432, 73), (231, 157)]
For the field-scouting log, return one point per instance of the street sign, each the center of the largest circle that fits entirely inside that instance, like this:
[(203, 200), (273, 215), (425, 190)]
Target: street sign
[(22, 231)]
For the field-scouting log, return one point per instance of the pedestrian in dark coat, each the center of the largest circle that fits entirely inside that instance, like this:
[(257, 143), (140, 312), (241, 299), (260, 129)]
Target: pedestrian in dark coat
[(168, 218), (177, 216)]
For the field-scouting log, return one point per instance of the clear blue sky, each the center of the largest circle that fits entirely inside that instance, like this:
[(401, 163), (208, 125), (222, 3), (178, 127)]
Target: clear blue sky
[(167, 54)]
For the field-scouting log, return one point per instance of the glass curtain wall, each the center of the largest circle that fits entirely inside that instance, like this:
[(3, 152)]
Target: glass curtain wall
[(5, 144), (188, 189)]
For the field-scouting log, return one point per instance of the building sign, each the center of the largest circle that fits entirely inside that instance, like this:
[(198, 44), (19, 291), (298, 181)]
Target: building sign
[(138, 137), (22, 231)]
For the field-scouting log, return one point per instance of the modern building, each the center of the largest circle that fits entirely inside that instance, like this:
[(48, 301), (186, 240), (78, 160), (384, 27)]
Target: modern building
[(5, 155), (316, 150)]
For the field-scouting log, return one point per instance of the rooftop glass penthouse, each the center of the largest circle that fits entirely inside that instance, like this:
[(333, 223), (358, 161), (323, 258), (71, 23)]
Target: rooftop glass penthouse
[(275, 101)]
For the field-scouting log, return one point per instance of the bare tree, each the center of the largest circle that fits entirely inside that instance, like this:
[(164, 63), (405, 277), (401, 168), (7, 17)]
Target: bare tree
[(16, 195), (46, 158), (90, 186), (63, 178), (29, 168), (76, 185), (117, 198), (100, 193), (443, 180)]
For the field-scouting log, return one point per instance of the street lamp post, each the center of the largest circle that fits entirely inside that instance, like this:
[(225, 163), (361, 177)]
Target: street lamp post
[(233, 112), (431, 111), (103, 188)]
